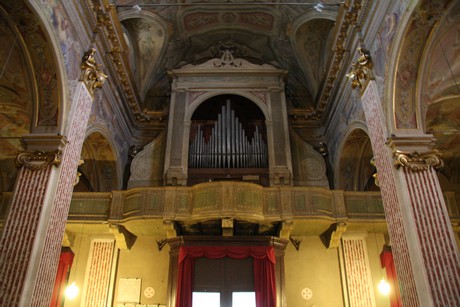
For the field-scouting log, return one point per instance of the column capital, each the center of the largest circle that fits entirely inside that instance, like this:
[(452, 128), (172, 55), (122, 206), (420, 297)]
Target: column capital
[(41, 151), (418, 153)]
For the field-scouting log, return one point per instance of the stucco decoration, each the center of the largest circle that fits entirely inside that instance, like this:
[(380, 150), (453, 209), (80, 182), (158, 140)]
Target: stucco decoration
[(146, 168), (309, 166)]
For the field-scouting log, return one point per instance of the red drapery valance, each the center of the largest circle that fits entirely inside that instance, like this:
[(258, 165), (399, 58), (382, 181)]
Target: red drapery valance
[(264, 270)]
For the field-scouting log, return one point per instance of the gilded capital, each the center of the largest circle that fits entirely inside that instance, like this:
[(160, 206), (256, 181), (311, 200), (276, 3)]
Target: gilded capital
[(38, 160), (92, 74), (360, 72), (416, 161)]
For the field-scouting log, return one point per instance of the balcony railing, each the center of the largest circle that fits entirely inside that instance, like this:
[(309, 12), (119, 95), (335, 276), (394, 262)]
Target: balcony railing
[(228, 199)]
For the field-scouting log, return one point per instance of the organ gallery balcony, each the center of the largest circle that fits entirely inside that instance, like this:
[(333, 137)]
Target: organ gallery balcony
[(249, 208)]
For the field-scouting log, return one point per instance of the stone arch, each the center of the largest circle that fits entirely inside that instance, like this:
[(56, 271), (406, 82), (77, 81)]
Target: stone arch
[(353, 168), (413, 36), (248, 95), (32, 82), (101, 171), (43, 49), (438, 91)]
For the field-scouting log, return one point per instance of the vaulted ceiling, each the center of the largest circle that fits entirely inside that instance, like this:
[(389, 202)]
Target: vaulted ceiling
[(297, 36), (307, 39)]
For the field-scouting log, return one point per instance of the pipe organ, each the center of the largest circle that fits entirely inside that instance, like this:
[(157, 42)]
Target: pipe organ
[(210, 139), (227, 144)]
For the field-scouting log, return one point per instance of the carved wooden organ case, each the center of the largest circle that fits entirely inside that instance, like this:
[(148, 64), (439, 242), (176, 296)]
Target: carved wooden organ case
[(228, 121)]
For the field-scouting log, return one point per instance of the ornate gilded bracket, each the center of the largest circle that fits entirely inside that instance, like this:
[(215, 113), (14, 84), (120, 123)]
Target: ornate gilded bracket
[(361, 71), (38, 160), (418, 161), (92, 75)]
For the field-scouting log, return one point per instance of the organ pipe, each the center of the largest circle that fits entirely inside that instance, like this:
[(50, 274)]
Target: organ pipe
[(228, 145)]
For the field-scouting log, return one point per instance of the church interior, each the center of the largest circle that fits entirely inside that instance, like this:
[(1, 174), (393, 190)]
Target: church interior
[(302, 152)]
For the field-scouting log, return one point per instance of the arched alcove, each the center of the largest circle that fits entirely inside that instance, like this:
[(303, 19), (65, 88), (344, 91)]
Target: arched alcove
[(16, 92), (99, 170), (228, 141), (32, 85), (355, 170), (439, 95)]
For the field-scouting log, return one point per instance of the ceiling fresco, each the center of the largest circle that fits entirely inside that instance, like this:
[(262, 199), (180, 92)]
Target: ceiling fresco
[(293, 35), (262, 33), (15, 94)]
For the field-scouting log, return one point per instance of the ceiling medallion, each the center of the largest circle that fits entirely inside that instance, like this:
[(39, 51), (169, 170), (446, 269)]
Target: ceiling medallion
[(418, 161), (38, 160)]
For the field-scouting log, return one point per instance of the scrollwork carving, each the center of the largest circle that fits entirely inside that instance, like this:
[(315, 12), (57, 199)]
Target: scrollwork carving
[(418, 161), (38, 160)]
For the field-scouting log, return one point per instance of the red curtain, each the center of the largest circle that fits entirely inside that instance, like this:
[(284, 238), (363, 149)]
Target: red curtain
[(386, 259), (65, 262), (264, 270)]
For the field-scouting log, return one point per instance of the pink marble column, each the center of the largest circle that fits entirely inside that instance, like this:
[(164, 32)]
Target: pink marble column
[(21, 227), (32, 238), (425, 253)]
